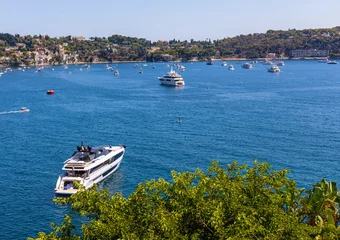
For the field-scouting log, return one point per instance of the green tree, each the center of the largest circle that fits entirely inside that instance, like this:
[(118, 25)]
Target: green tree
[(237, 202)]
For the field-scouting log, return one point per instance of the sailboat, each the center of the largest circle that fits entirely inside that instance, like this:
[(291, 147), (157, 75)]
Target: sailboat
[(145, 65)]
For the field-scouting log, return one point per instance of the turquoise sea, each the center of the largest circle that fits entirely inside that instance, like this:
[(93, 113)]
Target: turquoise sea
[(290, 120)]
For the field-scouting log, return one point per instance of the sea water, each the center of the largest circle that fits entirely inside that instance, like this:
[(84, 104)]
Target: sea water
[(288, 119)]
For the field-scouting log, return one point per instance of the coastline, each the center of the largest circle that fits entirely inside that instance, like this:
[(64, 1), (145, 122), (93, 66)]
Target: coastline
[(126, 61)]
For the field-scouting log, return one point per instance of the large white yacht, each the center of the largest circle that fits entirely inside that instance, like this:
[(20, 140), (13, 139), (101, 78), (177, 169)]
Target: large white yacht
[(172, 78), (88, 165)]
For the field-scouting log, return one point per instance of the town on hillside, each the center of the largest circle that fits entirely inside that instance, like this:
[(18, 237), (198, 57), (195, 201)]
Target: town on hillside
[(16, 50)]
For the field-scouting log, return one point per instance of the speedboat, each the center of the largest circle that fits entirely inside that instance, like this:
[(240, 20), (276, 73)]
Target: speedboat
[(172, 78), (1, 73), (24, 109), (274, 69), (140, 70), (332, 62), (116, 73), (87, 166), (231, 68), (280, 63), (247, 66), (224, 64)]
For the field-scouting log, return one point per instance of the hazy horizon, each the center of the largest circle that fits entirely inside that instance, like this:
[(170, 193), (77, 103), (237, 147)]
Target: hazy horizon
[(156, 20)]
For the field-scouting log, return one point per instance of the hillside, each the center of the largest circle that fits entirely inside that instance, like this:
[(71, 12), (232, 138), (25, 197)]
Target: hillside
[(42, 49)]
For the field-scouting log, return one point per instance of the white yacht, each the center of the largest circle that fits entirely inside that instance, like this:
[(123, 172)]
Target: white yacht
[(247, 66), (88, 165), (172, 78), (231, 68), (1, 73), (224, 64), (274, 69)]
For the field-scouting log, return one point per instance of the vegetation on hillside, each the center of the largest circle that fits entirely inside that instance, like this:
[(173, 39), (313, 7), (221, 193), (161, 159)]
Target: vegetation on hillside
[(237, 202), (42, 49)]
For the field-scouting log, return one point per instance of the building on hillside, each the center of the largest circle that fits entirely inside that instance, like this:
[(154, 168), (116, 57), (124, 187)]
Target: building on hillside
[(271, 55), (166, 57), (21, 45), (79, 38), (11, 49), (302, 53)]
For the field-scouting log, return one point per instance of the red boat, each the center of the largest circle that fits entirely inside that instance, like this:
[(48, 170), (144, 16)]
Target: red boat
[(50, 92)]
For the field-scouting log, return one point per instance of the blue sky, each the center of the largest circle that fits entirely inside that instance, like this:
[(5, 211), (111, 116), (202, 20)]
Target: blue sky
[(154, 20)]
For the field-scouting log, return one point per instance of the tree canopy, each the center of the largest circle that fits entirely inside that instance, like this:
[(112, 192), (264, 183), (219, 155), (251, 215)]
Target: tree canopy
[(236, 202)]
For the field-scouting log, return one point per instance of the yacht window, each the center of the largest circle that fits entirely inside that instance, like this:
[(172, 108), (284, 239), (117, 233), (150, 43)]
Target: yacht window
[(118, 155)]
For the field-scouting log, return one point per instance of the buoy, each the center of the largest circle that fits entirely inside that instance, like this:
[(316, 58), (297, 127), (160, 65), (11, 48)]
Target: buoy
[(50, 91)]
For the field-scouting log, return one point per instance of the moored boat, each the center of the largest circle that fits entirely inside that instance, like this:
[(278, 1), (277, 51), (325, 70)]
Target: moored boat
[(266, 62), (210, 61), (323, 60), (332, 62), (247, 65), (172, 78), (274, 69)]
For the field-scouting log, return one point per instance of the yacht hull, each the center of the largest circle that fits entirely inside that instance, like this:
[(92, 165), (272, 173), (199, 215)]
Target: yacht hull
[(65, 187)]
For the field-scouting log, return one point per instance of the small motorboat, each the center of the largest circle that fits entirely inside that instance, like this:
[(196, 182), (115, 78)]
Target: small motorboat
[(50, 92), (332, 62), (231, 68), (224, 64), (140, 70), (116, 73), (24, 109)]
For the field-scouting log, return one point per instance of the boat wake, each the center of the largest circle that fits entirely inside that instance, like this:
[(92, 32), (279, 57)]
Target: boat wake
[(10, 112), (22, 110)]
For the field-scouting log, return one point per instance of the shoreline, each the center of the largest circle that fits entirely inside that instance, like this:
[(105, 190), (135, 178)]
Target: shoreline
[(125, 61)]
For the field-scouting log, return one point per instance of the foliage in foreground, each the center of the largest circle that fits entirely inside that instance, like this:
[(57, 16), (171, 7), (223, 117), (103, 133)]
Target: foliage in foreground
[(238, 202)]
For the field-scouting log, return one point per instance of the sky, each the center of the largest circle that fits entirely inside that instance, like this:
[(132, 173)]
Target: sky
[(164, 20)]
